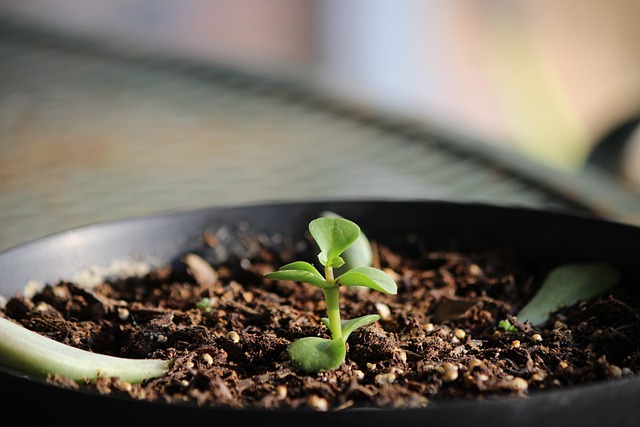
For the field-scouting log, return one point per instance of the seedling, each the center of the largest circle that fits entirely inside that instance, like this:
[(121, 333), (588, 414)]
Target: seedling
[(564, 286), (334, 235), (31, 353)]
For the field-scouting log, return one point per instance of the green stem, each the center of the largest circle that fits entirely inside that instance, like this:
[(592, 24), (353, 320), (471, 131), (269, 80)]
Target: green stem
[(332, 298)]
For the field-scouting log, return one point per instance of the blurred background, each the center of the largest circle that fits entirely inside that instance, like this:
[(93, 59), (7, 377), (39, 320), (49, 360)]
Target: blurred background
[(87, 87)]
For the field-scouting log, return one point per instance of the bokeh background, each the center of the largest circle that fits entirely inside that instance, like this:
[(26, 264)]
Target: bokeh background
[(99, 120)]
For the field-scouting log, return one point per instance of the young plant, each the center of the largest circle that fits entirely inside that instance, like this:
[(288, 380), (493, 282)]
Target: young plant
[(31, 353), (564, 286), (334, 235)]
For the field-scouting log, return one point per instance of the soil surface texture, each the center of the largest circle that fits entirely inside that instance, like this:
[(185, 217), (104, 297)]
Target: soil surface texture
[(227, 329)]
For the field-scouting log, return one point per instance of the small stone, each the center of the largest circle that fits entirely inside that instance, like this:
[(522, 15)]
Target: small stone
[(371, 366), (515, 343), (536, 338), (247, 296), (383, 311), (614, 371), (385, 379), (207, 359), (449, 372), (428, 327), (518, 384), (476, 363), (233, 337), (538, 376), (359, 374), (281, 392), (318, 403), (475, 270), (459, 333), (401, 355), (563, 364), (123, 313), (162, 338)]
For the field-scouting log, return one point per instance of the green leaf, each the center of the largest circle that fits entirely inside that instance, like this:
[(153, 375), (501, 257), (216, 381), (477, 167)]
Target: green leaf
[(34, 354), (298, 271), (566, 285), (333, 236), (506, 326), (302, 266), (349, 326), (369, 277), (359, 254), (314, 354)]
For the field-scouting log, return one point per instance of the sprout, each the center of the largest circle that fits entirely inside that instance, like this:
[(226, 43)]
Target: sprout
[(334, 235), (34, 354), (564, 286)]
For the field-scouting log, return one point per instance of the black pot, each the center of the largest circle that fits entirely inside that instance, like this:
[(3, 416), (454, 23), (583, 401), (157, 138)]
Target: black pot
[(541, 238)]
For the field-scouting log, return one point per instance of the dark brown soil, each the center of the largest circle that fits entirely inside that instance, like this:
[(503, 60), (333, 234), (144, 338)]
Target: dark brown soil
[(227, 328)]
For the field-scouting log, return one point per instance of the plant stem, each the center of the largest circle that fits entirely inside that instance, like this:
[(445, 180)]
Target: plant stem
[(332, 297)]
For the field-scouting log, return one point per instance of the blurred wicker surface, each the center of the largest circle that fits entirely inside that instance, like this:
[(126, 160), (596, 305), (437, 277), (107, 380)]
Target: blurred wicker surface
[(88, 135)]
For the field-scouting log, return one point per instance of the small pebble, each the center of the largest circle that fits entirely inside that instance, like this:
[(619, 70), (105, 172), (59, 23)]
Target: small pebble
[(518, 384), (615, 371), (537, 376), (449, 372), (371, 366), (460, 334), (281, 392), (383, 311), (515, 343), (536, 338), (475, 270), (476, 363), (359, 374), (233, 337), (162, 338), (385, 379), (428, 327), (207, 359), (318, 403), (401, 355), (123, 313)]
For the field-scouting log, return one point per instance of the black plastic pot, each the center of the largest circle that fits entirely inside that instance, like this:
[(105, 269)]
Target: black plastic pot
[(541, 238)]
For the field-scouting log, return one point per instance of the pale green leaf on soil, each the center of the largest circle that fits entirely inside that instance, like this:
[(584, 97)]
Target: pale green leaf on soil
[(566, 285)]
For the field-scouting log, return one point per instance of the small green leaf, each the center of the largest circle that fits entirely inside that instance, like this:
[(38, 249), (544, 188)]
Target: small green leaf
[(566, 285), (506, 326), (314, 354), (371, 278), (297, 276), (298, 271), (359, 254), (302, 266), (333, 236), (349, 326)]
